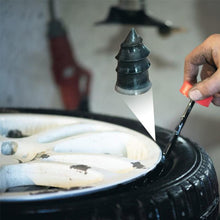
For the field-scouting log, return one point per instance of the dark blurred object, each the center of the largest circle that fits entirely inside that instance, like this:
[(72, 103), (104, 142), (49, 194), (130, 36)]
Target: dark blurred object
[(132, 12), (132, 69), (72, 79), (15, 134)]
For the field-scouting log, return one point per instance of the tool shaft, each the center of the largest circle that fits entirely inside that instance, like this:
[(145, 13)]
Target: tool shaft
[(178, 128)]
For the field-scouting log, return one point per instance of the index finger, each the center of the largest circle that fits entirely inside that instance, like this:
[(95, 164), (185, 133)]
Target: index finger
[(193, 60)]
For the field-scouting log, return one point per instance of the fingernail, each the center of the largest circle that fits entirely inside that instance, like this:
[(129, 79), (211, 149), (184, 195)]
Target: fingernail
[(195, 95)]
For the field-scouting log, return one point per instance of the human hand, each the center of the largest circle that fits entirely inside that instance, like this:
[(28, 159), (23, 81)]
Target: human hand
[(208, 55)]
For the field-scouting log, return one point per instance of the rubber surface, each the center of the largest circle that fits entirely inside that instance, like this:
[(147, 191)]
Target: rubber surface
[(186, 189)]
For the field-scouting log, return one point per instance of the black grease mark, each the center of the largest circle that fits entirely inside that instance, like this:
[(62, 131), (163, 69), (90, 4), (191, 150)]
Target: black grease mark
[(44, 192), (44, 156), (76, 188), (41, 155), (80, 167), (138, 165), (15, 134)]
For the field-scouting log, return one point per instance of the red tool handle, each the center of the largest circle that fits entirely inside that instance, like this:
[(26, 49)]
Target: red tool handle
[(68, 73), (72, 79), (185, 90)]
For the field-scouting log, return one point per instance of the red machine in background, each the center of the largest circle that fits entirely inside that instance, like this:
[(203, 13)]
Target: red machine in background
[(72, 79)]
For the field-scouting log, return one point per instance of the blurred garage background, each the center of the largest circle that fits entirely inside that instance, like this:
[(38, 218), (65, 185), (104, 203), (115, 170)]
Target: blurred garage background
[(27, 80)]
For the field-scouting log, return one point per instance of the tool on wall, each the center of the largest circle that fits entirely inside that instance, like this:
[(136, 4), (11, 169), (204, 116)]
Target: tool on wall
[(133, 12), (72, 79)]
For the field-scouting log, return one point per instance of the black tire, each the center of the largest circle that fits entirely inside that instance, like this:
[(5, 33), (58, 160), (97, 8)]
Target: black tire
[(186, 189)]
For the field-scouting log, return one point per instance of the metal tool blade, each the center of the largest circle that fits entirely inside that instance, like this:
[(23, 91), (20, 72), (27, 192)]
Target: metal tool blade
[(178, 128)]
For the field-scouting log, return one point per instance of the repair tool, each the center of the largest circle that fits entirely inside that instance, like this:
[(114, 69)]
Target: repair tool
[(72, 79), (205, 102), (178, 129), (133, 80)]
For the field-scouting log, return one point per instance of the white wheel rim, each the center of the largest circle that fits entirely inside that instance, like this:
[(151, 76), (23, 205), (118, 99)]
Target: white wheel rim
[(77, 156)]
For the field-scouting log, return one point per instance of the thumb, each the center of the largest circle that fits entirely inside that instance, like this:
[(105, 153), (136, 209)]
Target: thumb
[(208, 87)]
